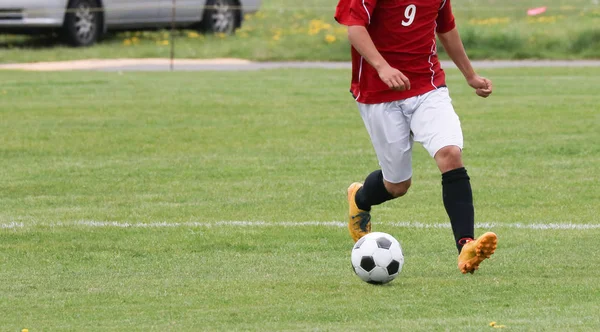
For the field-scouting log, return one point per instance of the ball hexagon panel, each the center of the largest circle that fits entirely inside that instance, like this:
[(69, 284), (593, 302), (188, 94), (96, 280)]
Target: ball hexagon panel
[(396, 251), (367, 248), (382, 257), (379, 274)]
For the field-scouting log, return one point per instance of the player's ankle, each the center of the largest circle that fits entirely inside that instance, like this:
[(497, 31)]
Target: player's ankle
[(462, 241)]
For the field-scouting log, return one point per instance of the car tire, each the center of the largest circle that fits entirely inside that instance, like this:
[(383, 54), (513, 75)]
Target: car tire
[(221, 16), (83, 22)]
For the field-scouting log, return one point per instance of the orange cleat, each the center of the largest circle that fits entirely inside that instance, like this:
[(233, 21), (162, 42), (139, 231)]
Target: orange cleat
[(359, 221), (476, 251)]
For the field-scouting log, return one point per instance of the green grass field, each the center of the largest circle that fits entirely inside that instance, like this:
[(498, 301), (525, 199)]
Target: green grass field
[(185, 201), (306, 30)]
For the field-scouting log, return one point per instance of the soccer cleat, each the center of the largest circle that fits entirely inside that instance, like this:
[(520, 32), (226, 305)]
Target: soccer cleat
[(359, 221), (476, 251)]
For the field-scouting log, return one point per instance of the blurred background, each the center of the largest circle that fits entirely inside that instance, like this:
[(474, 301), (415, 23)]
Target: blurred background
[(49, 30)]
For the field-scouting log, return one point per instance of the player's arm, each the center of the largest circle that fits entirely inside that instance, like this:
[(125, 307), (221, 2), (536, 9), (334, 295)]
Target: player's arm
[(450, 39), (454, 48), (356, 15), (361, 40)]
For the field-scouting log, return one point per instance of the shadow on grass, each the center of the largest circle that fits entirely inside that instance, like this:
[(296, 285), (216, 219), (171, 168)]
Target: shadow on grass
[(29, 42)]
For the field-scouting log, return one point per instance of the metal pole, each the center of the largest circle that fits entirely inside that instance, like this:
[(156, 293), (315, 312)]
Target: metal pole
[(173, 13)]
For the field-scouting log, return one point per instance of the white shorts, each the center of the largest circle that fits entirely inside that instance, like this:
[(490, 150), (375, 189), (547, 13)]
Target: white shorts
[(428, 119)]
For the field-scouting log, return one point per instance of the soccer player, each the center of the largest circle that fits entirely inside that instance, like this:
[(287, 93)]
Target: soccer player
[(400, 89)]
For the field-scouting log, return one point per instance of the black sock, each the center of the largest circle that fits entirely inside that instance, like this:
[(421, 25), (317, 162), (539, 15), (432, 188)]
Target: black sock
[(373, 192), (458, 201)]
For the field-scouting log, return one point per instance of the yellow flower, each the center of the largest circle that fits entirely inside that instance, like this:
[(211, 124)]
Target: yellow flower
[(221, 35), (162, 42), (316, 26), (277, 35), (330, 39), (193, 34), (496, 326), (490, 21), (135, 40), (127, 42)]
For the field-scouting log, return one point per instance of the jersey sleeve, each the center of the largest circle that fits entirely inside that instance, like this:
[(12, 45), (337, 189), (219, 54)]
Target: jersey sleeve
[(445, 20), (355, 12)]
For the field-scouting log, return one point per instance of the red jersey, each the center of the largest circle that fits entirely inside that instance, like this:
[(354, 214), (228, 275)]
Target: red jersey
[(403, 31)]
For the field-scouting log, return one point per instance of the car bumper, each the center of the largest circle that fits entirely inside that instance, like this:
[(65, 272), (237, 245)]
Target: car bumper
[(31, 13)]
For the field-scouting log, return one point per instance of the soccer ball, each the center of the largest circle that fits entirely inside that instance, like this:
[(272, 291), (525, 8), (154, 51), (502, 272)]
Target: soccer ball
[(377, 258)]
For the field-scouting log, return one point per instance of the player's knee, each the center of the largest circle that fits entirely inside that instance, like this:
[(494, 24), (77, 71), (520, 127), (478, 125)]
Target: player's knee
[(398, 189), (449, 153), (449, 158)]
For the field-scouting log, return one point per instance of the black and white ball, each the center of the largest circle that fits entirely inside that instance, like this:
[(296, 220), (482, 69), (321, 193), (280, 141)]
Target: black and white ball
[(377, 258)]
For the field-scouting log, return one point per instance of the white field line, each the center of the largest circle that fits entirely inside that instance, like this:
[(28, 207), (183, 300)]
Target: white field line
[(335, 224)]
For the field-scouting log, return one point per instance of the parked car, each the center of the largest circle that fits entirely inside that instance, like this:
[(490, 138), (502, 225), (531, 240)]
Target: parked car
[(82, 22)]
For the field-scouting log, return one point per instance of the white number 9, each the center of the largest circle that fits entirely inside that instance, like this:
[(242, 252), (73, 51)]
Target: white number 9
[(409, 13)]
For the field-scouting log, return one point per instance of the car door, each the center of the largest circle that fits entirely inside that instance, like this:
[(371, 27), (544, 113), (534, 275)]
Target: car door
[(185, 10), (131, 12)]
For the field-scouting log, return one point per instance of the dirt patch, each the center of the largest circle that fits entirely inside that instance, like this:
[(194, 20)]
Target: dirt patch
[(112, 63)]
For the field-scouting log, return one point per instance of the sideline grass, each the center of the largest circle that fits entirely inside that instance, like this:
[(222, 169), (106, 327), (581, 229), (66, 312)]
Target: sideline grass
[(282, 146), (305, 30)]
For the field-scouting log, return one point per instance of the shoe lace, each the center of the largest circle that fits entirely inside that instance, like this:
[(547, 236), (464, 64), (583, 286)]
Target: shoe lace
[(363, 220)]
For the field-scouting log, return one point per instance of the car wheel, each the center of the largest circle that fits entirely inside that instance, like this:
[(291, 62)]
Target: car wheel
[(221, 16), (82, 22)]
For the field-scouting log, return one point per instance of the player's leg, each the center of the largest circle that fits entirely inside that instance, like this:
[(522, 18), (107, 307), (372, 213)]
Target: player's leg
[(437, 127), (458, 201), (456, 192), (389, 131), (377, 190)]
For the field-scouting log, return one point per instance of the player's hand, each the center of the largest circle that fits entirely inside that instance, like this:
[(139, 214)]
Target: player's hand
[(483, 86), (394, 79)]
